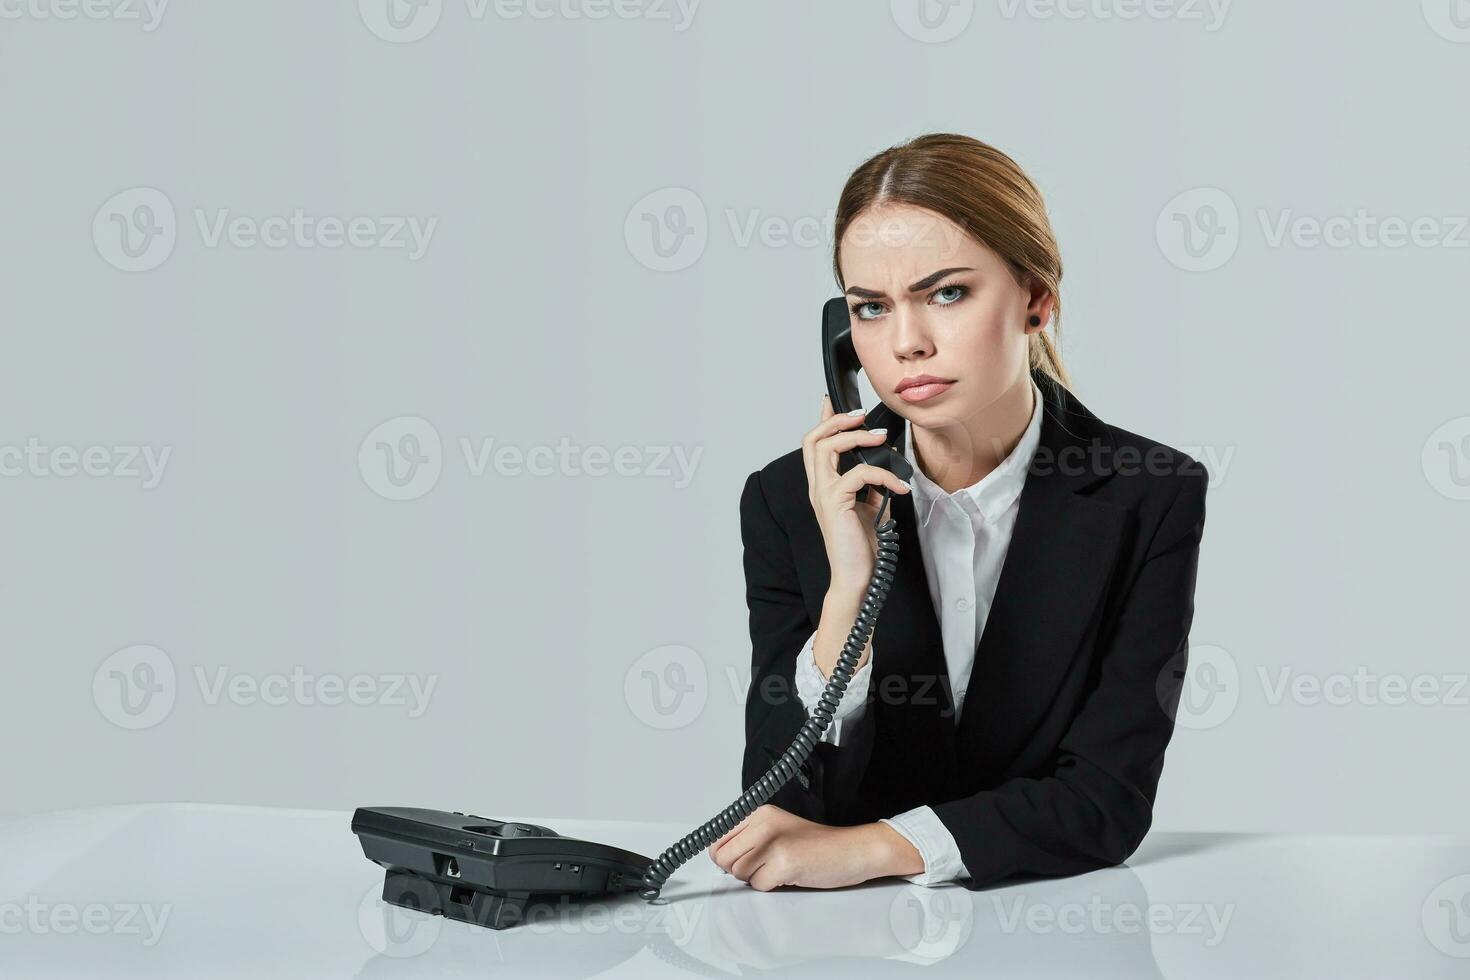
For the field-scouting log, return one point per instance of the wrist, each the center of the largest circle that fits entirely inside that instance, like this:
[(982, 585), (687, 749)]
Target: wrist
[(838, 613), (893, 854)]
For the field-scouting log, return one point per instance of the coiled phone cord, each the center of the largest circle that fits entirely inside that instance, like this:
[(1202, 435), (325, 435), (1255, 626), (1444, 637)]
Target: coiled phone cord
[(884, 563)]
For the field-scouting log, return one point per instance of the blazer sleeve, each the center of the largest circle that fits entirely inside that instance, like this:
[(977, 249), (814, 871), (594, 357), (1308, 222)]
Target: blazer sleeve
[(1096, 806), (774, 712)]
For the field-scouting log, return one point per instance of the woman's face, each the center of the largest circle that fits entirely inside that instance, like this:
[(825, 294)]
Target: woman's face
[(925, 298)]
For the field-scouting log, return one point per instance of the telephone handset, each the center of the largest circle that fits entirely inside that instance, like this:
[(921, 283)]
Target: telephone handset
[(840, 360), (480, 870)]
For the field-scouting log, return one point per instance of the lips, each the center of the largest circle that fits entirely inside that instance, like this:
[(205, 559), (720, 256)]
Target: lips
[(920, 393), (923, 387), (922, 379)]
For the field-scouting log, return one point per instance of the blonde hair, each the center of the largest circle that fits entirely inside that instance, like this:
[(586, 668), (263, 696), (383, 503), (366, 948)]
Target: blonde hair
[(983, 191)]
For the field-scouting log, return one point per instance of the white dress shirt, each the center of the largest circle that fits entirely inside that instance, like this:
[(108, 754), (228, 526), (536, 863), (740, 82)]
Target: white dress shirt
[(964, 537)]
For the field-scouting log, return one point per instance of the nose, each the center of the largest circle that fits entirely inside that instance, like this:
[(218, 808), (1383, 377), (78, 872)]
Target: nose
[(910, 336)]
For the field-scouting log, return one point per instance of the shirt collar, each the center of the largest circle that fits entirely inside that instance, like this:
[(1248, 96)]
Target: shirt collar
[(996, 490)]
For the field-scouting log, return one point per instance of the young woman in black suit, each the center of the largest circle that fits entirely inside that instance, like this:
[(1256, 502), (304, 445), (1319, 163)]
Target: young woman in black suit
[(1011, 711)]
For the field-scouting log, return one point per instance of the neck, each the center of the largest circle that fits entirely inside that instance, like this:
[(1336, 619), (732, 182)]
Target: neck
[(964, 452)]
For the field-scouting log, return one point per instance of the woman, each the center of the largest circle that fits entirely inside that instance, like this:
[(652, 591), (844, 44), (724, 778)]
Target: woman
[(1011, 711)]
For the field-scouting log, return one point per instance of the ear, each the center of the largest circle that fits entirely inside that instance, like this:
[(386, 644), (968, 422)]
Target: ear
[(1040, 305)]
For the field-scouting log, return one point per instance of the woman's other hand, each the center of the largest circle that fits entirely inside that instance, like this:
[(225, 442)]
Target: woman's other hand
[(772, 847)]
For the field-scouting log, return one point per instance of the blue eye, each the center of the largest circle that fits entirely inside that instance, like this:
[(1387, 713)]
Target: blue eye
[(957, 291), (857, 309)]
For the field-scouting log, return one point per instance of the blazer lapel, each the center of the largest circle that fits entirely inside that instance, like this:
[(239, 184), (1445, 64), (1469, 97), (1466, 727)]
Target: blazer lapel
[(1061, 555)]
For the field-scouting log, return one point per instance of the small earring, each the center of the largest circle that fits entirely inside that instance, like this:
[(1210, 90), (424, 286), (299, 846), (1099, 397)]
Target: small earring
[(1035, 320)]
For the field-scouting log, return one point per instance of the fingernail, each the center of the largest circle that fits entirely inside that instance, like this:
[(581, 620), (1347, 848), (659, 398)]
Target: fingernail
[(857, 411), (878, 432)]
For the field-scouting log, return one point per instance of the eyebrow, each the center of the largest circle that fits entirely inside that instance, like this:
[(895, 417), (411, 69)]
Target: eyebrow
[(922, 284)]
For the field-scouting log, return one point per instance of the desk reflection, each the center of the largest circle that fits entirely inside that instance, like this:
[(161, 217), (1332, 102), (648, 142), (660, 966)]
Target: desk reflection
[(1097, 925)]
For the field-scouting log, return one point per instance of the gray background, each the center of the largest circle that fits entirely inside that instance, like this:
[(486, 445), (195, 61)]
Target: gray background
[(1322, 383)]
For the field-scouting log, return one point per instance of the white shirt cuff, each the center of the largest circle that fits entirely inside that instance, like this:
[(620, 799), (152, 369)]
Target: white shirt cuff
[(935, 844), (810, 684)]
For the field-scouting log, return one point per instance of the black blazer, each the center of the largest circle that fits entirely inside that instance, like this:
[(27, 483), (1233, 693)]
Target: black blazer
[(1053, 766)]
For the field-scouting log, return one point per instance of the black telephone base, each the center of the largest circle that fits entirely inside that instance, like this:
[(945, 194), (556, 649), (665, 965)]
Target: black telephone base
[(485, 871), (493, 910)]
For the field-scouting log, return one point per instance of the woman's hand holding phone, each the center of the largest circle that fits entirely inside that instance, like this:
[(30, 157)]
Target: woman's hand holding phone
[(846, 522)]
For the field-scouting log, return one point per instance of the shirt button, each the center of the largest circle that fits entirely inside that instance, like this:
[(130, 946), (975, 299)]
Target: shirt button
[(962, 697), (962, 604)]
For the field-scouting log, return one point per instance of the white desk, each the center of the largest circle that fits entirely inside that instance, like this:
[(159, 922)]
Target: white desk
[(221, 891)]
